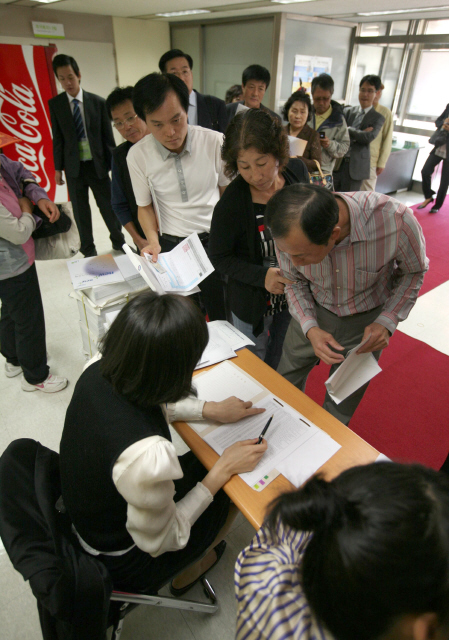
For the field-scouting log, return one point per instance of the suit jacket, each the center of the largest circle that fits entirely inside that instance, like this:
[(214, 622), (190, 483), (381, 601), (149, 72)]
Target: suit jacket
[(211, 112), (98, 129), (360, 158), (231, 109), (439, 123)]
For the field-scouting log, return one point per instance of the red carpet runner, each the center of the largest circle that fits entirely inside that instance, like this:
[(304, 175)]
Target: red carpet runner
[(405, 412)]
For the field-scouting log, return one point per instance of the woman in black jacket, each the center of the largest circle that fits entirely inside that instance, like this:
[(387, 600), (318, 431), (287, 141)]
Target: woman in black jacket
[(439, 153), (256, 147)]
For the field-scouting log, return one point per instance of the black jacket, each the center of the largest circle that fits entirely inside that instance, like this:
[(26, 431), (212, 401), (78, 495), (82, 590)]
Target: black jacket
[(234, 246), (439, 123), (98, 129), (231, 110), (211, 112), (119, 154)]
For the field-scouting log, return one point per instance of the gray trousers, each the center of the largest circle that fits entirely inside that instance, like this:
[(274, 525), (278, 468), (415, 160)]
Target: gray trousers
[(298, 357)]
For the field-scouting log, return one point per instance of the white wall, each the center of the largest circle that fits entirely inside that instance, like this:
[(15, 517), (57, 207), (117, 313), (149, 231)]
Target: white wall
[(138, 46)]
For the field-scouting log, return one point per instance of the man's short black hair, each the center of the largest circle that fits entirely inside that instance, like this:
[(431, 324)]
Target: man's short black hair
[(373, 80), (153, 347), (256, 72), (151, 91), (314, 209), (170, 55), (324, 81), (61, 60), (118, 96)]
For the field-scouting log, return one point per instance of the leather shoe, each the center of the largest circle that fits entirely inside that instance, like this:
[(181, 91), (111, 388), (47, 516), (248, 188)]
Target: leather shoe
[(219, 550), (434, 210), (424, 204), (91, 254), (118, 247)]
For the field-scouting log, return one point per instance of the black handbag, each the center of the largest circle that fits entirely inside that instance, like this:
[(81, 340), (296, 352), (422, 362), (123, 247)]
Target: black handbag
[(47, 229), (438, 138)]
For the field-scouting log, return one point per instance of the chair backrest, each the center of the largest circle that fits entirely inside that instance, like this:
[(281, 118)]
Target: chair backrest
[(72, 586)]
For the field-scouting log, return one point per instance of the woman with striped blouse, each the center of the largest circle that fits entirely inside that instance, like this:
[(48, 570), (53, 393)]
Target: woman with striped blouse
[(364, 557)]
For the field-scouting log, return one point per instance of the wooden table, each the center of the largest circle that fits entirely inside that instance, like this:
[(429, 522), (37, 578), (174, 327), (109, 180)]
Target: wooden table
[(251, 503)]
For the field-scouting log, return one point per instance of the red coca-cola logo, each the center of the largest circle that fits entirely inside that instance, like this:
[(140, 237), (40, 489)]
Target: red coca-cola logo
[(25, 88)]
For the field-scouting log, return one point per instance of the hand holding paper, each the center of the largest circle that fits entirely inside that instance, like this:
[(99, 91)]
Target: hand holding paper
[(379, 338)]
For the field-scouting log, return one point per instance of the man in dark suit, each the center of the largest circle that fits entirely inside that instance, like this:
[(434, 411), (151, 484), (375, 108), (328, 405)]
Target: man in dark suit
[(255, 81), (364, 125), (82, 146), (205, 111)]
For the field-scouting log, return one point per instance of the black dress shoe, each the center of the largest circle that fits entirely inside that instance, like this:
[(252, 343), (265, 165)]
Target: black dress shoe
[(423, 205), (90, 254), (219, 550), (118, 247), (434, 210)]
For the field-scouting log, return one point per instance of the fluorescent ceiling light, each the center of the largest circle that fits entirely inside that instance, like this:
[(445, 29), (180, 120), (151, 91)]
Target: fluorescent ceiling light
[(291, 1), (189, 12), (387, 13), (46, 1)]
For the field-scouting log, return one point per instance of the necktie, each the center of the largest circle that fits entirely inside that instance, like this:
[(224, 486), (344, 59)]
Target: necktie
[(79, 126), (358, 119)]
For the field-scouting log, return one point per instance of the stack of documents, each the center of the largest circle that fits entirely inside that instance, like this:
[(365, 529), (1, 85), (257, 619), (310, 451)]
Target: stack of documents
[(297, 448), (180, 270), (224, 340)]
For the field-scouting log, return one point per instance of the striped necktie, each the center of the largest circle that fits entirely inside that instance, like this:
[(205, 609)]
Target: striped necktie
[(79, 126), (358, 119)]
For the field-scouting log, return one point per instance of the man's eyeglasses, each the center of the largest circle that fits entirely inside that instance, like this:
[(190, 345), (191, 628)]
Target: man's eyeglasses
[(129, 121)]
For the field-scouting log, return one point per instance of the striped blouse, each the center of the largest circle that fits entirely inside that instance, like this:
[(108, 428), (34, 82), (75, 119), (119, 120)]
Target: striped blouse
[(381, 263), (270, 602)]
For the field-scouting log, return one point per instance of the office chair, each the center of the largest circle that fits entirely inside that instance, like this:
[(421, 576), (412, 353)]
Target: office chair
[(74, 592)]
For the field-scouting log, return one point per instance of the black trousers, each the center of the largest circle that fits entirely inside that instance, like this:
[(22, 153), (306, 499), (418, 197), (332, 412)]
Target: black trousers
[(212, 289), (22, 325), (426, 173), (342, 179), (79, 195)]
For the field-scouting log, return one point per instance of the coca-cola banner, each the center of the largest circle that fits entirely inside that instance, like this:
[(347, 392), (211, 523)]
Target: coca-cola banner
[(26, 85)]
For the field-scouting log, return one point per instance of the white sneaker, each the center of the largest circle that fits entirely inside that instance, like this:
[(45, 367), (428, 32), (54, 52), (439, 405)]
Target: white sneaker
[(51, 385), (11, 370)]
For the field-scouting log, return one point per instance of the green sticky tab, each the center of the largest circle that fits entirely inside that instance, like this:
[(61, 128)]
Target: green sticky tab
[(256, 486), (265, 477)]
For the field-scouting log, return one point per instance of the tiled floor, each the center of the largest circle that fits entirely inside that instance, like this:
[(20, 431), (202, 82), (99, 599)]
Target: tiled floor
[(41, 417)]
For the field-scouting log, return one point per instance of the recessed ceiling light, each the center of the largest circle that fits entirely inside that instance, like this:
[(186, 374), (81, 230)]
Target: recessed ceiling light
[(189, 12), (387, 13)]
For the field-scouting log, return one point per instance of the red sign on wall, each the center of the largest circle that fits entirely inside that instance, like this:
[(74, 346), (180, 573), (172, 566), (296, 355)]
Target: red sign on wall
[(26, 85)]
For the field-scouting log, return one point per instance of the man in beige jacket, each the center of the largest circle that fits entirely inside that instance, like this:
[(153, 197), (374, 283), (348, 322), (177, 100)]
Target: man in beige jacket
[(380, 147)]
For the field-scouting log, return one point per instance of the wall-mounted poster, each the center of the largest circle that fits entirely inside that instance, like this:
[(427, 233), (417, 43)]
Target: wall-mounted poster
[(307, 68)]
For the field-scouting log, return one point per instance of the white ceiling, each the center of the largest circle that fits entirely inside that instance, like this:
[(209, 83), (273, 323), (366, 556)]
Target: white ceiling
[(341, 9)]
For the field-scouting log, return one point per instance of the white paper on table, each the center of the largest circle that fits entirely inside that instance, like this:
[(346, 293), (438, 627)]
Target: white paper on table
[(297, 146), (185, 266), (110, 317), (155, 206), (91, 272), (217, 350), (300, 465), (354, 372), (126, 267), (287, 431), (226, 331), (382, 458)]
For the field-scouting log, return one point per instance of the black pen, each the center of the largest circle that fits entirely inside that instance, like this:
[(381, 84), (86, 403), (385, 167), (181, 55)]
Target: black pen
[(265, 430)]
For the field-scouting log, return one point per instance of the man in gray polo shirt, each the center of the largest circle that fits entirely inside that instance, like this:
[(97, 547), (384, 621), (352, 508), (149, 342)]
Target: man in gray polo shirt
[(183, 164)]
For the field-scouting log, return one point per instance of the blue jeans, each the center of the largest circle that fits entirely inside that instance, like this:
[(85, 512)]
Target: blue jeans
[(268, 345)]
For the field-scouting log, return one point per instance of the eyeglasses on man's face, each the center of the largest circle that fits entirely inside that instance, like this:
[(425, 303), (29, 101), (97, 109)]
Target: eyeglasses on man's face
[(126, 123)]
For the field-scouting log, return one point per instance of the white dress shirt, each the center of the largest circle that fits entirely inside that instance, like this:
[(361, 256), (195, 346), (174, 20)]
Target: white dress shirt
[(185, 184), (79, 97), (193, 109)]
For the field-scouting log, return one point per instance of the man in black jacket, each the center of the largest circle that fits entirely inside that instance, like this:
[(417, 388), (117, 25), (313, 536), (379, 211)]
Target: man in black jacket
[(121, 111), (82, 146), (255, 81), (205, 111)]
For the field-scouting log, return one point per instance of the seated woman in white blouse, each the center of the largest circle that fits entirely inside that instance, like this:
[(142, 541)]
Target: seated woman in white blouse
[(145, 512), (364, 557)]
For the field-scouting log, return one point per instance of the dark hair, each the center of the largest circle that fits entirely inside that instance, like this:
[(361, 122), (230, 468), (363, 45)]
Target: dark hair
[(324, 81), (256, 72), (379, 549), (118, 96), (256, 129), (151, 91), (233, 92), (297, 96), (170, 55), (373, 80), (61, 60), (313, 208), (153, 347)]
